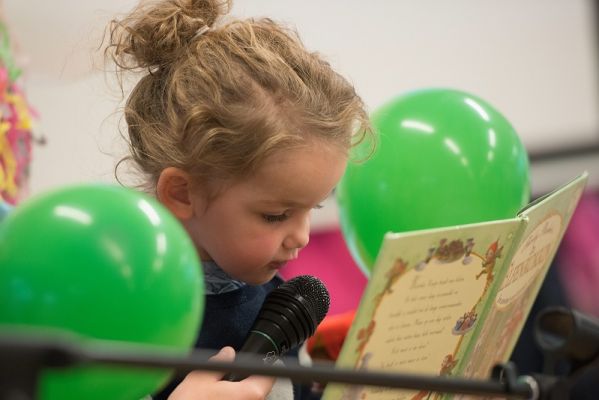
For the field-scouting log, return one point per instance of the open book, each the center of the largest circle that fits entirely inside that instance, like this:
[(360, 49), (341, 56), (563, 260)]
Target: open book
[(452, 301)]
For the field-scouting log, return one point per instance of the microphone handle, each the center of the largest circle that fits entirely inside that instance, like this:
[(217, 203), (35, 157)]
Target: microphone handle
[(256, 343)]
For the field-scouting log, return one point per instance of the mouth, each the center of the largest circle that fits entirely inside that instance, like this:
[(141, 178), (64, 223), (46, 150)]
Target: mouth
[(277, 264)]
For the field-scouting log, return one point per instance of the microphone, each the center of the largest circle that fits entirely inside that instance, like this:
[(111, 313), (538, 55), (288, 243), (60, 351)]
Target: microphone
[(289, 315)]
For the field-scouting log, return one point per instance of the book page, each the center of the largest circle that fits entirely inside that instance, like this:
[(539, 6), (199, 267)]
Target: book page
[(546, 222), (423, 303)]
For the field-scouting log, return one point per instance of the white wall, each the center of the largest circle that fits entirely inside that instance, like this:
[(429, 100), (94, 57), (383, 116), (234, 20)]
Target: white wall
[(535, 60)]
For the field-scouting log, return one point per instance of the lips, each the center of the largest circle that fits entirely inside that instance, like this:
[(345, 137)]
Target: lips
[(277, 264)]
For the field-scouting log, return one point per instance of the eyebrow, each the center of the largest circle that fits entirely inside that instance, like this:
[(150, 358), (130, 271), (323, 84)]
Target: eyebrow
[(283, 204), (289, 203)]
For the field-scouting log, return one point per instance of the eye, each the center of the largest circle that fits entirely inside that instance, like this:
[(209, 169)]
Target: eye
[(274, 218)]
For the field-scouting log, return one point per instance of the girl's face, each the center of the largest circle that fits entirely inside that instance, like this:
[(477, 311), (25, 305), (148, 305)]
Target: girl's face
[(253, 227)]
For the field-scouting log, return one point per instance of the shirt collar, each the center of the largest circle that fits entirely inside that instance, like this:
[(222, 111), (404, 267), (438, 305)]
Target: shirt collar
[(216, 281)]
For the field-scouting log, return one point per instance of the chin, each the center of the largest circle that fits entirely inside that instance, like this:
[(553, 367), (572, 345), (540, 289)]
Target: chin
[(259, 280)]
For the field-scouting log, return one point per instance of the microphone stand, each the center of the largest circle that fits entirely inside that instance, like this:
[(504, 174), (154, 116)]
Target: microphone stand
[(22, 359), (569, 341), (557, 387), (563, 335)]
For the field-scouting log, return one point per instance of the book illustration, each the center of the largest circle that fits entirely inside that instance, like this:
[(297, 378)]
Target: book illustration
[(465, 323), (449, 362), (354, 392), (452, 301), (447, 252), (515, 296), (468, 251), (519, 289), (363, 337), (492, 254)]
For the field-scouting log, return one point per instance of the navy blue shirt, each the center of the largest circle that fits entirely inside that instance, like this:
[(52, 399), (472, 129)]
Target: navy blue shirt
[(228, 318)]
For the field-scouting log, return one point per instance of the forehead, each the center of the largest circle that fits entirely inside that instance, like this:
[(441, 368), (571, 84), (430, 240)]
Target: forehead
[(301, 176)]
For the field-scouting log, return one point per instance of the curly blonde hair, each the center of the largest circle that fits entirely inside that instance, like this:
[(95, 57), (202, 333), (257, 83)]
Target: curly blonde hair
[(218, 97)]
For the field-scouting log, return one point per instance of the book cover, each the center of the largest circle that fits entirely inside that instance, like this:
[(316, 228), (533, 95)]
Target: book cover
[(453, 300)]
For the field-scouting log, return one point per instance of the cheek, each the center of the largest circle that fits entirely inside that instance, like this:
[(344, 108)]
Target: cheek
[(258, 248), (238, 240)]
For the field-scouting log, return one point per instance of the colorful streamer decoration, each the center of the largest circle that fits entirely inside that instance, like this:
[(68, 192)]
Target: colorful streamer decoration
[(16, 118)]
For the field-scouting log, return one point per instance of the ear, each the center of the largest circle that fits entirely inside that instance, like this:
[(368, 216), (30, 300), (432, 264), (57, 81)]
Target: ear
[(174, 190)]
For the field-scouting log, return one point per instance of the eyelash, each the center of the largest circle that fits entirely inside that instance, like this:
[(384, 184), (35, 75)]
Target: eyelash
[(271, 219), (274, 218)]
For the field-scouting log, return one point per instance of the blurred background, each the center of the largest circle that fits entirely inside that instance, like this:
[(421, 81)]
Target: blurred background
[(534, 60)]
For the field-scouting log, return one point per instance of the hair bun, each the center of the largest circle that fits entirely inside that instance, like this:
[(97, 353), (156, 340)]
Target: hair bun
[(206, 11), (154, 33)]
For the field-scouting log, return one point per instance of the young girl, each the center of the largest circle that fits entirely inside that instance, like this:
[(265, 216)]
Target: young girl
[(240, 131)]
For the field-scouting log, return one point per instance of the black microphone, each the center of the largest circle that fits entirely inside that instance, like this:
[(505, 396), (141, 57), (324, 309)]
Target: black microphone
[(289, 315)]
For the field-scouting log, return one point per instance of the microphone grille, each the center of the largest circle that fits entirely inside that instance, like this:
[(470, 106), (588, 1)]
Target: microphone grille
[(314, 291)]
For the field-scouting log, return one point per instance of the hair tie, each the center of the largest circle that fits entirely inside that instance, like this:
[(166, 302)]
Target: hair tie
[(201, 31)]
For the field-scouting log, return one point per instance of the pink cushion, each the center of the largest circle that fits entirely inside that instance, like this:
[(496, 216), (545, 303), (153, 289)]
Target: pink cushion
[(327, 258)]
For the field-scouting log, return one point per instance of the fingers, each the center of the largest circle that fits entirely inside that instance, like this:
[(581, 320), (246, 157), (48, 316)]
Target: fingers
[(202, 385), (225, 354), (251, 388), (257, 387)]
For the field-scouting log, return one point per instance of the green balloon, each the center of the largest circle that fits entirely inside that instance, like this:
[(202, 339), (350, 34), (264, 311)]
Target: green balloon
[(100, 262), (443, 157)]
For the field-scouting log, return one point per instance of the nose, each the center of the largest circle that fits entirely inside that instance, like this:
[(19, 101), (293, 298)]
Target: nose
[(299, 234)]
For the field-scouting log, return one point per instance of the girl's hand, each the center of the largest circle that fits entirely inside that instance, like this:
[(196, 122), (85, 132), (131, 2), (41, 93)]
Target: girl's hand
[(202, 385)]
